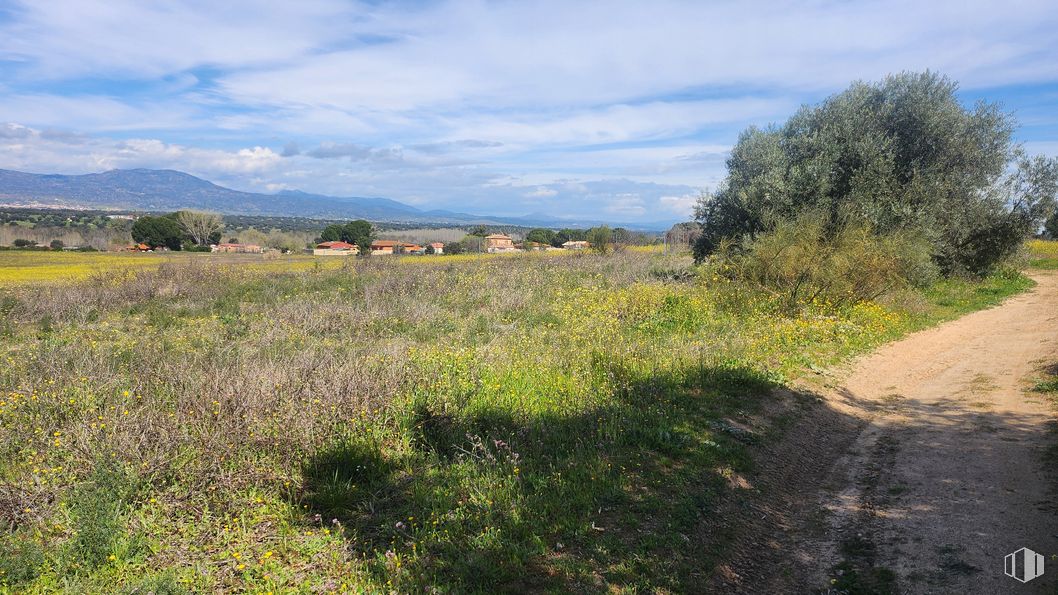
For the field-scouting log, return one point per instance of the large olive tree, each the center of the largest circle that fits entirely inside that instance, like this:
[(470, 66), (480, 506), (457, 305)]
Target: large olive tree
[(902, 154)]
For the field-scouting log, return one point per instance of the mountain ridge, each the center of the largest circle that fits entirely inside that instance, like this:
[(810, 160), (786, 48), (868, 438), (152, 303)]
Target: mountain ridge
[(145, 189)]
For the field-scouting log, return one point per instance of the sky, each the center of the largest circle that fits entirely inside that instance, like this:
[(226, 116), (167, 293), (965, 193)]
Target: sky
[(618, 111)]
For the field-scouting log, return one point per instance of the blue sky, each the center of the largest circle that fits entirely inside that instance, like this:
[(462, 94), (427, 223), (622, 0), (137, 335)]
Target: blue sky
[(614, 110)]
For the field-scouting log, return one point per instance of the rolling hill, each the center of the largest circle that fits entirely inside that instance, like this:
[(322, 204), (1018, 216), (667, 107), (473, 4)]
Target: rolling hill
[(169, 190)]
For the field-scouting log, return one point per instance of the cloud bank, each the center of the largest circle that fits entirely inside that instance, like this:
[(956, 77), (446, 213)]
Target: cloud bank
[(617, 109)]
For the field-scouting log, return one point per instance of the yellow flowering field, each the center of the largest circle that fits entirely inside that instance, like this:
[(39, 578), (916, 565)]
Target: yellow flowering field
[(1043, 253), (527, 422)]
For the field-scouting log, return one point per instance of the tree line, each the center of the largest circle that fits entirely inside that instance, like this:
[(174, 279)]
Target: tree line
[(182, 230)]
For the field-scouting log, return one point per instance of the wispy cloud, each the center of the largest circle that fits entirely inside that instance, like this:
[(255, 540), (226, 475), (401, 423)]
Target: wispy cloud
[(623, 109)]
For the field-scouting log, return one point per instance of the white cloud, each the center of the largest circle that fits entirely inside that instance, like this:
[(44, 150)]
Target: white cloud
[(622, 108), (682, 205), (129, 38), (541, 192)]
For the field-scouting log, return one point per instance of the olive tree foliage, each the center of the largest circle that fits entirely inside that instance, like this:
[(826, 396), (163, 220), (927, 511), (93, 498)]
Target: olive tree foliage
[(1050, 229), (898, 155), (200, 226)]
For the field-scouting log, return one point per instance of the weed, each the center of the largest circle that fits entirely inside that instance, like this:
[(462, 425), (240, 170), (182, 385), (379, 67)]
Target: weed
[(96, 514), (21, 560)]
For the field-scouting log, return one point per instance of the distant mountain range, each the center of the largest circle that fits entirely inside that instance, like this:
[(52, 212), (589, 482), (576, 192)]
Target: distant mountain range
[(169, 190)]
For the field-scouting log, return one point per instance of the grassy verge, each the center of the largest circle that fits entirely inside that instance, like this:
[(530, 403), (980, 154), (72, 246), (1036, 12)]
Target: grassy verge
[(484, 424), (1043, 254)]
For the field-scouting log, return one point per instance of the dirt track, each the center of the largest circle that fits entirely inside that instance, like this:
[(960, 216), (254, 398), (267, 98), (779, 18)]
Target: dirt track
[(923, 466)]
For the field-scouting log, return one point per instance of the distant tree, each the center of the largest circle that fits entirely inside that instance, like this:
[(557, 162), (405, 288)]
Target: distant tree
[(600, 238), (1050, 229), (157, 232), (57, 245), (233, 240), (902, 154), (473, 243), (331, 233), (199, 226), (568, 235), (479, 231), (23, 243), (682, 236), (540, 235), (623, 236), (358, 232), (455, 248)]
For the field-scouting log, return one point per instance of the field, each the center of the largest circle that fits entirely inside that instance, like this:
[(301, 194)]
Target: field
[(20, 267), (1043, 254), (527, 422)]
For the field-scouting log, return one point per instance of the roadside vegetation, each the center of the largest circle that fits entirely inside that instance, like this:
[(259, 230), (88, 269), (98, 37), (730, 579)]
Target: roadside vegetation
[(512, 422)]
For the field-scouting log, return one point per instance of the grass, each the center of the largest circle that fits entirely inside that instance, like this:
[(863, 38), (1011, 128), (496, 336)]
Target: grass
[(547, 422), (1043, 254)]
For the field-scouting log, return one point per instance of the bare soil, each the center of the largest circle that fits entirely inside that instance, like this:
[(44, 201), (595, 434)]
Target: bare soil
[(913, 470)]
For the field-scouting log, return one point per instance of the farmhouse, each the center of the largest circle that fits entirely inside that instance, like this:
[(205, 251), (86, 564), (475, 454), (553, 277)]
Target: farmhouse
[(438, 248), (238, 248), (499, 242), (335, 249), (379, 247), (576, 245), (403, 248)]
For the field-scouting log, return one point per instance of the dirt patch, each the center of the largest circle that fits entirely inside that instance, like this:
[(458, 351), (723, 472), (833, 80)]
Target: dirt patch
[(918, 473)]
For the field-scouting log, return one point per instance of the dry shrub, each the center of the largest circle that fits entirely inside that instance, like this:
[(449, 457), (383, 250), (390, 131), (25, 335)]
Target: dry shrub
[(804, 261), (112, 290)]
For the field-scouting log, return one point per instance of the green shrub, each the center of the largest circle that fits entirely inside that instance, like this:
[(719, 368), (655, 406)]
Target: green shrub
[(164, 584), (799, 262), (96, 513), (20, 561)]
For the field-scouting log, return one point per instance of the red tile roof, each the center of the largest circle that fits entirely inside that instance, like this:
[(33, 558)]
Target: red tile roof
[(336, 245)]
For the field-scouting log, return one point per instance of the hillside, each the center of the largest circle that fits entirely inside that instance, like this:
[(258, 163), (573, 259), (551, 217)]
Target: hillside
[(168, 190)]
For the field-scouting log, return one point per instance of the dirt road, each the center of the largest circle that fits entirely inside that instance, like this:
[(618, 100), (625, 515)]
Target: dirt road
[(923, 466)]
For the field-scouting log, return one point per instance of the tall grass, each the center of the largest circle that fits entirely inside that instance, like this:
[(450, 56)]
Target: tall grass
[(527, 422)]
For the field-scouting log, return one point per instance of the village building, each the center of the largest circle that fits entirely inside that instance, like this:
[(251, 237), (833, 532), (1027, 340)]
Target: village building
[(382, 247), (404, 248), (335, 249), (238, 248), (576, 245), (499, 242), (437, 247)]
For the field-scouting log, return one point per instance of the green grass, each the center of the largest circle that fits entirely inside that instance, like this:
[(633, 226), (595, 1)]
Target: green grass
[(1043, 254), (562, 423)]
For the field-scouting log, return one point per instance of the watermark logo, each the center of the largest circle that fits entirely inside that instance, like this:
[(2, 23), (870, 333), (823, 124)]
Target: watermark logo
[(1023, 565)]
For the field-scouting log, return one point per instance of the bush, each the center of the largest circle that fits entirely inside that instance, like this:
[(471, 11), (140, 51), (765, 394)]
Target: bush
[(20, 561), (800, 262), (22, 243), (902, 153), (96, 510)]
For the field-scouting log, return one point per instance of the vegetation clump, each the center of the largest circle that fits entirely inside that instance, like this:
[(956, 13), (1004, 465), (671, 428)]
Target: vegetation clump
[(900, 156)]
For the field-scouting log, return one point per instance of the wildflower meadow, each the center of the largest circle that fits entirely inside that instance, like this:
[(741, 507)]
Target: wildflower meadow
[(457, 424)]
